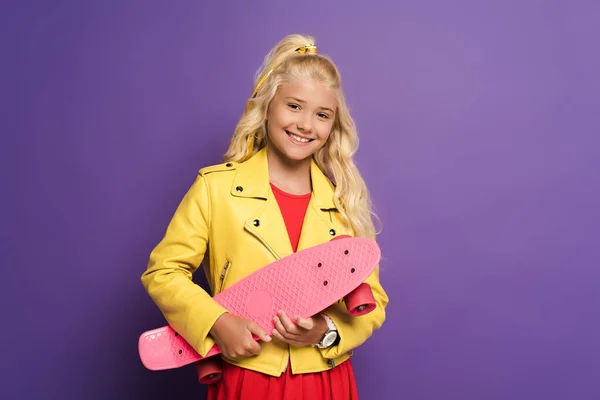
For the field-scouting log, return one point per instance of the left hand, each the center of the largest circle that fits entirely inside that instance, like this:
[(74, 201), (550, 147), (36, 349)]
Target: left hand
[(301, 331)]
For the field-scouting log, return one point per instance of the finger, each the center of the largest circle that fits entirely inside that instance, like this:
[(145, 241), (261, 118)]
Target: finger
[(278, 335), (235, 355), (284, 332), (258, 331), (279, 327), (291, 342), (254, 349), (288, 324), (306, 323)]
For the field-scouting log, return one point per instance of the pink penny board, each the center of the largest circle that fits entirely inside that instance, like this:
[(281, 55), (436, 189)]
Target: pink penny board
[(304, 283)]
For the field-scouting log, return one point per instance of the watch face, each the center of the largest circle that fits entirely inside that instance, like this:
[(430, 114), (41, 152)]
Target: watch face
[(329, 338)]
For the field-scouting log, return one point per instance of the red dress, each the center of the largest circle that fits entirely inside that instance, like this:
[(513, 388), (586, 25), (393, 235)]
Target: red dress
[(243, 384)]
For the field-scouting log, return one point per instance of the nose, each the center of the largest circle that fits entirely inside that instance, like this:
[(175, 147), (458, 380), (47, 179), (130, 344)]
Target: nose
[(304, 123)]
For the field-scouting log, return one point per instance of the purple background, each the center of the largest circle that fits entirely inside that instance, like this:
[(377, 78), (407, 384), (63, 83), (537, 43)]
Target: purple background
[(479, 124)]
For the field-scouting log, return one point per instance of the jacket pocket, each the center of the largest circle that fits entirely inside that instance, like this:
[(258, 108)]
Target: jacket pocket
[(223, 275)]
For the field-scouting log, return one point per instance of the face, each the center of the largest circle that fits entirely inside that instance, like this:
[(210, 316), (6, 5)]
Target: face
[(300, 119)]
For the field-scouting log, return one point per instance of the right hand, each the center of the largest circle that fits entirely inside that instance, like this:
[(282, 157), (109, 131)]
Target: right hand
[(233, 335)]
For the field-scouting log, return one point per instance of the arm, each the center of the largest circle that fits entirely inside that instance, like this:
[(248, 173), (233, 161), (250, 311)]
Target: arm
[(188, 308), (354, 331)]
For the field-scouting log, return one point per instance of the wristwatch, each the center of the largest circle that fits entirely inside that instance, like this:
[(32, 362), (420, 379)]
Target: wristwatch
[(331, 336)]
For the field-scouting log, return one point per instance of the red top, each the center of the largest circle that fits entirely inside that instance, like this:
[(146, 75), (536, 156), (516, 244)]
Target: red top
[(293, 208)]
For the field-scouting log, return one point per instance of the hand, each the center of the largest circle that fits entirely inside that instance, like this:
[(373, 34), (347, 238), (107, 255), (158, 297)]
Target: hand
[(233, 335), (301, 332)]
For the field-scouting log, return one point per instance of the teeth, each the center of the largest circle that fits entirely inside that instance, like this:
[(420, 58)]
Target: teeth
[(298, 138)]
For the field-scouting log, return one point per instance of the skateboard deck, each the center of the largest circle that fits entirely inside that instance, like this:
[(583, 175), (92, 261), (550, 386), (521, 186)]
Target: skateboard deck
[(304, 283)]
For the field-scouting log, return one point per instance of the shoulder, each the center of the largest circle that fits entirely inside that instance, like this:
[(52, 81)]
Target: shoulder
[(217, 168), (218, 177)]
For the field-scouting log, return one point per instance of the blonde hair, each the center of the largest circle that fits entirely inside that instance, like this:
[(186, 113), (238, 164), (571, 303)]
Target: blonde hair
[(335, 158)]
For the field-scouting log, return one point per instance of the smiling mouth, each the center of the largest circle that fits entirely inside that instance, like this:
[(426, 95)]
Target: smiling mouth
[(298, 139)]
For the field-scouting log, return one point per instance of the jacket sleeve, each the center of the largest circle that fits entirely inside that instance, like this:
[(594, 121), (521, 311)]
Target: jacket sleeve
[(188, 308), (354, 331)]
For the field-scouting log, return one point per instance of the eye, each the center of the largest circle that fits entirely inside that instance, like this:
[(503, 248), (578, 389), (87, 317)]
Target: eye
[(294, 106), (323, 115)]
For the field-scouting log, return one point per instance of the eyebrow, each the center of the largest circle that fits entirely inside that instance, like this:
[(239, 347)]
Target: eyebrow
[(303, 102)]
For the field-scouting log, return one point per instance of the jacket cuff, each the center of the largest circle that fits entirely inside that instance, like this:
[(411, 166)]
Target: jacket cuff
[(205, 320)]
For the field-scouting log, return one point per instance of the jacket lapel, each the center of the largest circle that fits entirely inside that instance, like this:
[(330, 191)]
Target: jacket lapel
[(268, 227), (318, 225), (267, 224)]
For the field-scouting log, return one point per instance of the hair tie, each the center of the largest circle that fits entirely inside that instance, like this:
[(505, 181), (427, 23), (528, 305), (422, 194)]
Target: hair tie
[(311, 48), (308, 49)]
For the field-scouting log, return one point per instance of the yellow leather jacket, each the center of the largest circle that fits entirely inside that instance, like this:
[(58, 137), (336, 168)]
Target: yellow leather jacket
[(214, 226)]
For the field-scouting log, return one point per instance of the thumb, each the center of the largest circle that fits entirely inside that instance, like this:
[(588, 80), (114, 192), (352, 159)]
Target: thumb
[(258, 331)]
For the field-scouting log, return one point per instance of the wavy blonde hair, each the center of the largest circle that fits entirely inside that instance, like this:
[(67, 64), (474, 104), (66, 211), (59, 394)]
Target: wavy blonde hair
[(282, 64)]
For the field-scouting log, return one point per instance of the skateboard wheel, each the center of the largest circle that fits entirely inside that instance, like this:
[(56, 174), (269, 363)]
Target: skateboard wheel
[(209, 370), (360, 301)]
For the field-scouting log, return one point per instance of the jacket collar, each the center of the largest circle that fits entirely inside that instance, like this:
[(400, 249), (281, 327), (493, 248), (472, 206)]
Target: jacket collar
[(252, 180)]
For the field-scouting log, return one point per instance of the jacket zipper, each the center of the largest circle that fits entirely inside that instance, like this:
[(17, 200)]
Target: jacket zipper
[(223, 275)]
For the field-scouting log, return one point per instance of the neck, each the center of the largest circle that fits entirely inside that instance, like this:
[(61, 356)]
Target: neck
[(288, 175)]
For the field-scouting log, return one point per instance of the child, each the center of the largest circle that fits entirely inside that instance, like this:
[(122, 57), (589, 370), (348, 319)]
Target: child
[(288, 183)]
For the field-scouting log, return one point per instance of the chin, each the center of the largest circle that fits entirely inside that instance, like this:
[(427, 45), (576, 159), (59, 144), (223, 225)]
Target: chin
[(295, 154), (298, 155)]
